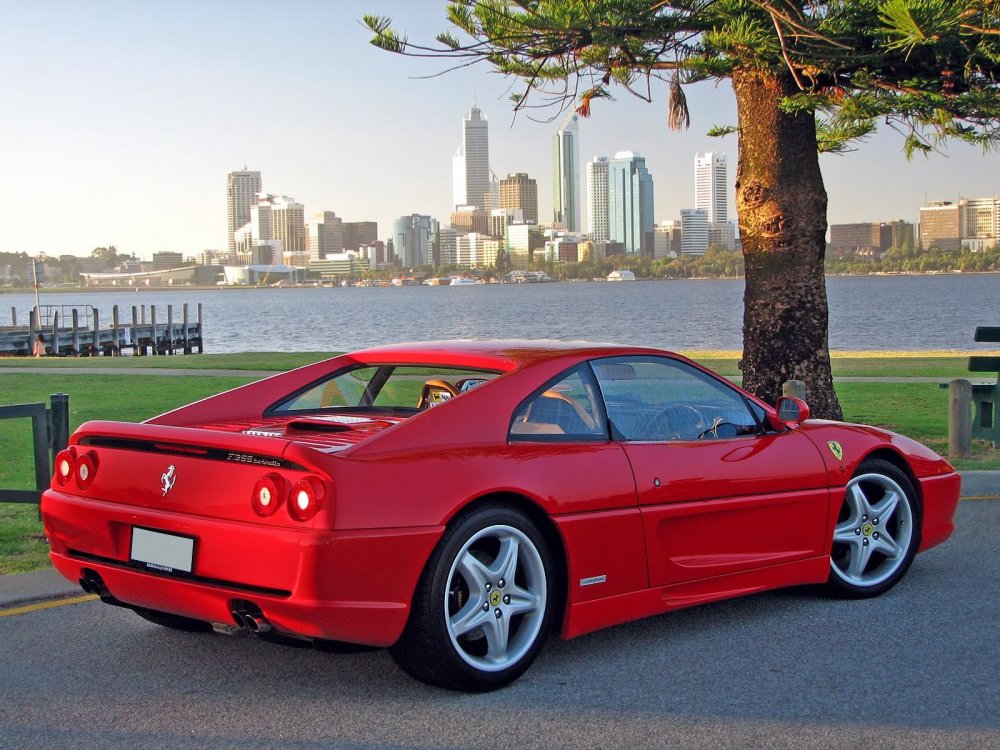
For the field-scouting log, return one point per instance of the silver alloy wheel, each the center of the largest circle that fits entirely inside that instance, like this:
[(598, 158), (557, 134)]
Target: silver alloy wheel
[(495, 597), (874, 531)]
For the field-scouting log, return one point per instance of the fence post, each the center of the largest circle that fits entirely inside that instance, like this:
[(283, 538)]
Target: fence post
[(960, 418), (60, 422)]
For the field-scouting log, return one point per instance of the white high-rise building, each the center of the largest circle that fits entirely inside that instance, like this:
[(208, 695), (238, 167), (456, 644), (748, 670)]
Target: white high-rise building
[(241, 189), (710, 186), (694, 231), (566, 175), (278, 217), (597, 199), (471, 176)]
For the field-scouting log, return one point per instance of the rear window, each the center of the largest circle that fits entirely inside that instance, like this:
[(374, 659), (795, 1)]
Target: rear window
[(384, 387)]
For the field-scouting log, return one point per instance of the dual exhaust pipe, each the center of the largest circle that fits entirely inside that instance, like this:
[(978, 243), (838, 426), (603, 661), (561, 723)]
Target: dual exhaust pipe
[(249, 617)]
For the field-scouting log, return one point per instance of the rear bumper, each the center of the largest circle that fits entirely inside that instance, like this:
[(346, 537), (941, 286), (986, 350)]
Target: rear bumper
[(940, 495), (353, 586)]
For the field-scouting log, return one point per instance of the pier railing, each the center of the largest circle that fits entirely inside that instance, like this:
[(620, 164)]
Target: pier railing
[(75, 330), (50, 434)]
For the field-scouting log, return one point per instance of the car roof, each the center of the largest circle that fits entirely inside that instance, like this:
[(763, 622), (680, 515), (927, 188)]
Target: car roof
[(495, 354)]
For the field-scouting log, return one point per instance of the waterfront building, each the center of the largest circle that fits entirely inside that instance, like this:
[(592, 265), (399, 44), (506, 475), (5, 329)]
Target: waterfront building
[(522, 242), (476, 250), (869, 239), (241, 188), (288, 224), (722, 233), (710, 191), (940, 226), (980, 218), (471, 163), (694, 231), (597, 199), (339, 265), (166, 260), (562, 249), (358, 233), (630, 203), (413, 240), (667, 239), (447, 250), (324, 235), (465, 219), (566, 175), (518, 192)]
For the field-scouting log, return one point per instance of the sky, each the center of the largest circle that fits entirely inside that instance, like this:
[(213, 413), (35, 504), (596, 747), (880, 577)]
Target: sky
[(121, 119)]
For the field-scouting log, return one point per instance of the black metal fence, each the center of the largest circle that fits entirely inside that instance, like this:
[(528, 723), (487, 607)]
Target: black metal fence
[(50, 434)]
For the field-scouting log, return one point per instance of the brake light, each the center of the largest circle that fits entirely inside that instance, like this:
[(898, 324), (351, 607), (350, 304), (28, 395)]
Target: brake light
[(65, 464), (86, 469), (305, 499), (267, 495)]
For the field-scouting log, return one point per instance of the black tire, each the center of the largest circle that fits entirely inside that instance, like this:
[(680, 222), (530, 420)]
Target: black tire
[(471, 628), (873, 545), (174, 622)]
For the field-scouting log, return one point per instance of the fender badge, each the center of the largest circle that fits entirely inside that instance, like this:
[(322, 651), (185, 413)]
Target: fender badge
[(168, 478), (833, 445)]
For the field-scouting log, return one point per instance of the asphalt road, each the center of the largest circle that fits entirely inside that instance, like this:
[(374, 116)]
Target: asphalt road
[(917, 668)]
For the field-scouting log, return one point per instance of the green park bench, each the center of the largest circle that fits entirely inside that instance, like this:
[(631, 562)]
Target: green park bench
[(985, 397)]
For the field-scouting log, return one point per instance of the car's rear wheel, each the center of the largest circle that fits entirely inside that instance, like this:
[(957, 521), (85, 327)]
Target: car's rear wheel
[(483, 604), (877, 531), (174, 622)]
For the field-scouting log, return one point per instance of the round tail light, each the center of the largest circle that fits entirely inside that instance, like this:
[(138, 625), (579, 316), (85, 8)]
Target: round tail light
[(305, 499), (65, 465), (267, 495), (86, 468)]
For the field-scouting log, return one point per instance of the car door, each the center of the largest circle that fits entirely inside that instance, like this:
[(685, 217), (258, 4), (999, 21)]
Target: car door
[(719, 493)]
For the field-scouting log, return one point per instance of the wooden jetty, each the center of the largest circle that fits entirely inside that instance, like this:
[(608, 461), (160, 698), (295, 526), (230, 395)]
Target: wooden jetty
[(75, 330)]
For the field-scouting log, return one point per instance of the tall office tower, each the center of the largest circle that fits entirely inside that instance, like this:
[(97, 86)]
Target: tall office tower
[(518, 191), (980, 218), (325, 235), (471, 162), (358, 233), (710, 186), (288, 223), (566, 175), (630, 203), (694, 231), (597, 199), (413, 238), (241, 189)]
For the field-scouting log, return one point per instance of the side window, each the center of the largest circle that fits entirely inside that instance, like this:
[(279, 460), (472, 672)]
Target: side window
[(658, 398), (566, 408)]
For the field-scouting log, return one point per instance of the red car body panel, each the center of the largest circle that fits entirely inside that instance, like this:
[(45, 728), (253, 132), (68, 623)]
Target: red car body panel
[(637, 528)]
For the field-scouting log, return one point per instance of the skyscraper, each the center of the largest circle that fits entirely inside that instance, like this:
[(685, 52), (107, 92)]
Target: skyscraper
[(630, 203), (471, 163), (566, 175), (710, 186), (597, 199), (520, 191), (241, 187), (413, 238)]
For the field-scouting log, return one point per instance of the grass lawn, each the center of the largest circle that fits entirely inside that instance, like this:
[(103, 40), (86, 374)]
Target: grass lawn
[(919, 410)]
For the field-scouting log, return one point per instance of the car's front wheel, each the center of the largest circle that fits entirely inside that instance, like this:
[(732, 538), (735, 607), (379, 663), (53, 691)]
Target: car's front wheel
[(483, 604), (877, 532)]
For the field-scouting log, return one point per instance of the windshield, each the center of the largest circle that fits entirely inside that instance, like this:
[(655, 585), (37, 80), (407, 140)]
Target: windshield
[(384, 387)]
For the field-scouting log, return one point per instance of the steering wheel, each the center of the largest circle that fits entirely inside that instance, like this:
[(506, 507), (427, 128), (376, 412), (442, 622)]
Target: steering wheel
[(434, 392), (674, 422)]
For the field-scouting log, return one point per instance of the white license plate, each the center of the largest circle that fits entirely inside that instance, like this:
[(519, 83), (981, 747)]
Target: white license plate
[(159, 551)]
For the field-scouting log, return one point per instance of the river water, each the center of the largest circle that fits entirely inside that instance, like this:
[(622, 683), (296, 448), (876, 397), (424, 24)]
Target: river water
[(866, 312)]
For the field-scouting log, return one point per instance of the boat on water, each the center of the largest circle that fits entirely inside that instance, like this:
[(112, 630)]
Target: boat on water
[(462, 281)]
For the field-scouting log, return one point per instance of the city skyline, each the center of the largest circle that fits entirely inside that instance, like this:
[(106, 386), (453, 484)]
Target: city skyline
[(120, 134)]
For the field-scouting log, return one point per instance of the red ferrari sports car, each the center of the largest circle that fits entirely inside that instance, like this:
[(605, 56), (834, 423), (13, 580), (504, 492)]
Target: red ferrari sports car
[(456, 501)]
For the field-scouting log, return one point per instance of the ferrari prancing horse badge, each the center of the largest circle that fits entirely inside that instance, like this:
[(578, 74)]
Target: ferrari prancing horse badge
[(835, 449)]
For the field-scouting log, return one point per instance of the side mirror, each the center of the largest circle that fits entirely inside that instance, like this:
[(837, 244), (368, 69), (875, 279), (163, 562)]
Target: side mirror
[(791, 412)]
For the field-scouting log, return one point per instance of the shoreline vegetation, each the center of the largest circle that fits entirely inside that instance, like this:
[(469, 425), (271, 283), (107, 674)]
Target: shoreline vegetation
[(916, 409)]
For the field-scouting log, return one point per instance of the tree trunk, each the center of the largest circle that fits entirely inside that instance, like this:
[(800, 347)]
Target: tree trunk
[(781, 203)]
